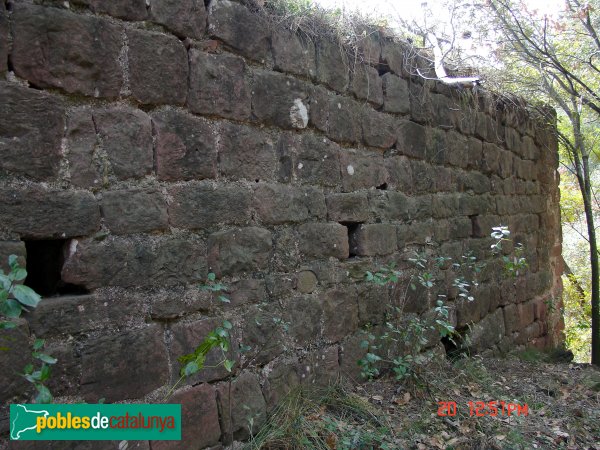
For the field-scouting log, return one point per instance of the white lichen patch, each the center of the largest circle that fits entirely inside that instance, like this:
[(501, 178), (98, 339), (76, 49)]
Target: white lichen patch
[(299, 114), (350, 170)]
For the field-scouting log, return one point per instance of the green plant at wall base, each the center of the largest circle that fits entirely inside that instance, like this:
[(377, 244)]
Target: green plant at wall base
[(514, 264), (15, 299)]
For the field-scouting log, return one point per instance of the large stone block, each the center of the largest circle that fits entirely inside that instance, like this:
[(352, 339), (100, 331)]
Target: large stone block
[(361, 169), (310, 159), (124, 366), (332, 65), (185, 147), (373, 304), (3, 38), (246, 395), (395, 94), (280, 382), (240, 29), (140, 261), (53, 48), (126, 137), (277, 204), (200, 426), (400, 174), (367, 85), (391, 205), (31, 132), (373, 239), (353, 207), (239, 250), (280, 100), (324, 240), (82, 143), (8, 248), (378, 129), (134, 211), (199, 205), (340, 314), (293, 53), (122, 9), (304, 313), (158, 68), (344, 120), (185, 337), (488, 332), (218, 85), (411, 139), (45, 214), (246, 153), (185, 18)]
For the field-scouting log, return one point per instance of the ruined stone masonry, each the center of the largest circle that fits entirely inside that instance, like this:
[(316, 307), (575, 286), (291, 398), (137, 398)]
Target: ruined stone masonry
[(146, 143)]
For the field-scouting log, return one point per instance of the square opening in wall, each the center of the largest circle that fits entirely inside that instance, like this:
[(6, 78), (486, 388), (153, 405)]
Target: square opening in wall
[(352, 230), (45, 259)]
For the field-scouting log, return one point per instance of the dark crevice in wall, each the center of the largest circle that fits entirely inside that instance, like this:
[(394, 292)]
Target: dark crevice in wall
[(352, 230), (383, 187), (45, 259), (475, 226)]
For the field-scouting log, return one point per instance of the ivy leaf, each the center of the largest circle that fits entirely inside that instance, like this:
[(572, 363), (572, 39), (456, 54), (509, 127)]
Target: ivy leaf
[(13, 261), (7, 325), (38, 344), (10, 308), (44, 395), (26, 296), (190, 369), (228, 365), (20, 274), (224, 299), (227, 324), (5, 281), (44, 357), (212, 276)]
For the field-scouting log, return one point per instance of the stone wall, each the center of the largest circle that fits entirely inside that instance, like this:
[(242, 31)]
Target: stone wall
[(147, 143)]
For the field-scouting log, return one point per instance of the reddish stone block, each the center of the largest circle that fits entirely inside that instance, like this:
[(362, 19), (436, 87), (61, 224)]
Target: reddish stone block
[(185, 18), (158, 68), (239, 250), (324, 240), (31, 132), (277, 204), (126, 136), (45, 214), (200, 426), (53, 48), (131, 211), (218, 85), (340, 313), (361, 169), (353, 207), (124, 366), (185, 147), (200, 205), (373, 239), (81, 144)]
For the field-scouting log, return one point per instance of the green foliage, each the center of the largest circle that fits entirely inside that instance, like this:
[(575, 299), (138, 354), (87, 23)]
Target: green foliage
[(214, 286), (515, 263), (384, 275), (14, 300), (217, 338)]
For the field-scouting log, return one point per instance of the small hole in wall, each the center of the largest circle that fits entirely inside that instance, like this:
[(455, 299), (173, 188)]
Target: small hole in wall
[(206, 3), (382, 187), (352, 231), (475, 226), (257, 180), (45, 259)]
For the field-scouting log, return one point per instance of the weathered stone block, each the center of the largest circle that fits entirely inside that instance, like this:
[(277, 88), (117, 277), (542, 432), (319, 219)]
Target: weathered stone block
[(218, 85), (126, 136), (309, 158), (134, 211), (185, 147), (260, 332), (256, 162), (124, 366), (31, 132), (3, 38), (324, 240), (185, 18), (367, 85), (306, 281), (489, 331), (373, 239), (65, 315), (280, 382), (294, 54), (280, 100), (126, 262), (200, 426), (353, 207), (368, 45), (8, 248), (185, 338), (199, 205), (332, 65), (378, 129), (277, 204), (361, 169), (81, 143), (58, 49), (411, 139), (239, 250), (242, 30), (304, 313), (395, 94), (468, 312), (340, 314), (122, 9), (158, 68), (445, 205), (344, 120), (399, 173), (391, 205), (15, 355), (393, 56), (38, 213), (373, 303), (247, 397)]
